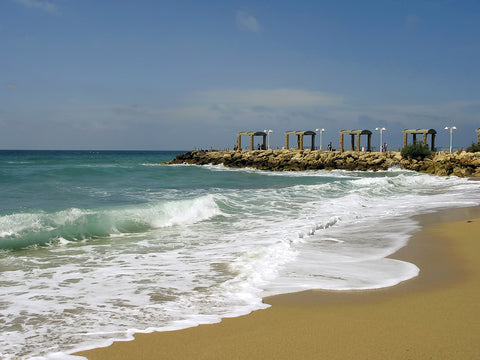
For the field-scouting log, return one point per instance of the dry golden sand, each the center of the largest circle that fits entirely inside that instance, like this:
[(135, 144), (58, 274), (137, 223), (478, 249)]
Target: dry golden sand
[(433, 316)]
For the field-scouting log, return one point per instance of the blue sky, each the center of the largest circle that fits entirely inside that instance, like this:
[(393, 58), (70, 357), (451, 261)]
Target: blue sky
[(178, 75)]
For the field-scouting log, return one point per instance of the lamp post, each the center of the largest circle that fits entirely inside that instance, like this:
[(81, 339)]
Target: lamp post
[(381, 137), (321, 132), (268, 137), (451, 128)]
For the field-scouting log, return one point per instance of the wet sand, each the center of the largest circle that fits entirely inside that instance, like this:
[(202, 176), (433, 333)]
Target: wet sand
[(433, 316)]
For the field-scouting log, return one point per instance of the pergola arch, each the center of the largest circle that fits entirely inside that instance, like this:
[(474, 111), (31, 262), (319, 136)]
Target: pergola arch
[(358, 134), (300, 135), (252, 135), (423, 132)]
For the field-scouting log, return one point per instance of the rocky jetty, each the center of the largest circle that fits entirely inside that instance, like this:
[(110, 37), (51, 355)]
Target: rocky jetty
[(463, 164)]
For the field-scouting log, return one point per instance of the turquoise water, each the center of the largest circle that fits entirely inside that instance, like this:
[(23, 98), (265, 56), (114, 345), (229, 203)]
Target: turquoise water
[(95, 246)]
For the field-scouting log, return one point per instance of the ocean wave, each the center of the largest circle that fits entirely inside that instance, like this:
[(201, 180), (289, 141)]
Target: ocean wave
[(194, 245), (22, 230)]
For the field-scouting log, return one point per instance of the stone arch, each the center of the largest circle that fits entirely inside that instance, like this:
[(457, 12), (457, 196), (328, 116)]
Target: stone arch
[(423, 132), (252, 135), (357, 134), (300, 135)]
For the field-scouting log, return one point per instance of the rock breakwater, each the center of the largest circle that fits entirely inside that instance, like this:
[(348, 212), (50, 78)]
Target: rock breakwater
[(461, 164)]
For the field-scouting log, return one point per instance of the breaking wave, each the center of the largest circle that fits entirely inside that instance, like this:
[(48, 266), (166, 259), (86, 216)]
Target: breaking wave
[(22, 230)]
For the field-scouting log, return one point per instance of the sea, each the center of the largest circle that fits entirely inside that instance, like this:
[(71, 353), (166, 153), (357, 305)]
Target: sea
[(98, 245)]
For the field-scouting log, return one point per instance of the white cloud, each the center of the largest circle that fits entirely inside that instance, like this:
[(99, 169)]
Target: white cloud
[(213, 118), (39, 4), (247, 22), (277, 98)]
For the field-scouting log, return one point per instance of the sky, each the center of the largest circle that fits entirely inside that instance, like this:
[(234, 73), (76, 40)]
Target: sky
[(189, 74)]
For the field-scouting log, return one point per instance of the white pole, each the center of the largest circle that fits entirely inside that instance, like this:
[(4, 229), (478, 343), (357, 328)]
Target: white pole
[(451, 135), (451, 142), (268, 137), (381, 137), (321, 133)]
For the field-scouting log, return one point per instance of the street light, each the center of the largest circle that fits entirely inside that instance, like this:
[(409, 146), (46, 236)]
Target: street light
[(321, 132), (381, 137), (451, 135), (268, 137)]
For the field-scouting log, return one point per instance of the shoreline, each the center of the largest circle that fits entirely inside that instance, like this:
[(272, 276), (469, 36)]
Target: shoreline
[(424, 317)]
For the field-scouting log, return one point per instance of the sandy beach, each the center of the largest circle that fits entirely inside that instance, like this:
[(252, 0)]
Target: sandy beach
[(433, 316)]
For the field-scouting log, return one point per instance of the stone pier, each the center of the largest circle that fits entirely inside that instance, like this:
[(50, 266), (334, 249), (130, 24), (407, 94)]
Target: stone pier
[(462, 164)]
